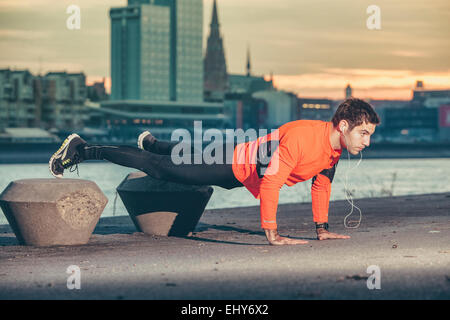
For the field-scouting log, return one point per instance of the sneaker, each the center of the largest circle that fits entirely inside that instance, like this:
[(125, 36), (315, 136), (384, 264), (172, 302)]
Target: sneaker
[(145, 139), (67, 156)]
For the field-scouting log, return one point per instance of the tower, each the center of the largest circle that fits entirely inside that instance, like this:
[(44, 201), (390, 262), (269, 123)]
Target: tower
[(156, 51), (248, 62), (215, 68), (348, 91)]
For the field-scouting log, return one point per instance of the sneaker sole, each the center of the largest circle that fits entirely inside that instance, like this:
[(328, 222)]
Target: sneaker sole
[(54, 156), (141, 138)]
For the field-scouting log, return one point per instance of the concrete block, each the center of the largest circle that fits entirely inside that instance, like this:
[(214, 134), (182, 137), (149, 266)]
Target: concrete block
[(46, 212), (163, 208)]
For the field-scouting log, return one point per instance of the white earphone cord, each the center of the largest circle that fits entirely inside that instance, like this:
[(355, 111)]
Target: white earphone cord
[(348, 195)]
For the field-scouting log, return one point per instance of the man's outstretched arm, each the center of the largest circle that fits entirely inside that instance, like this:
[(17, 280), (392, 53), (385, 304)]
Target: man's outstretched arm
[(274, 178), (320, 195), (269, 195)]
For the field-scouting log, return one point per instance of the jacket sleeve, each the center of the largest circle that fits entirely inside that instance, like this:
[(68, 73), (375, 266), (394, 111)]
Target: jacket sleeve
[(280, 167), (320, 194)]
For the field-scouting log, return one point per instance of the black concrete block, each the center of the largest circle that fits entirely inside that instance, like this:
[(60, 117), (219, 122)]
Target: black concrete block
[(163, 208)]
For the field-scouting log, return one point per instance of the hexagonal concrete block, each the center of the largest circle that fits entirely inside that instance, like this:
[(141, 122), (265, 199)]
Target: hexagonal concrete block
[(46, 212), (163, 208)]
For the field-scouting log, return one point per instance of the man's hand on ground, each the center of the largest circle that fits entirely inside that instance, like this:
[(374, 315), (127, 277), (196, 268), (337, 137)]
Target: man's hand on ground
[(323, 234), (275, 239)]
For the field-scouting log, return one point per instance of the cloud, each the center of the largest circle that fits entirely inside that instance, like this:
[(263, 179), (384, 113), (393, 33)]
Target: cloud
[(408, 54), (370, 83), (7, 5), (22, 35), (288, 36), (312, 45), (34, 66)]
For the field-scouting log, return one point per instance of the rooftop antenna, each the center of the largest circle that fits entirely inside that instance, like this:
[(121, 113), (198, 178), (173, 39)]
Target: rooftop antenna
[(40, 66), (248, 61)]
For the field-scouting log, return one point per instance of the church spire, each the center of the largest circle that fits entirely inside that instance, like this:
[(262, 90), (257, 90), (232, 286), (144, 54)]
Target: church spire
[(215, 19), (215, 68), (248, 62)]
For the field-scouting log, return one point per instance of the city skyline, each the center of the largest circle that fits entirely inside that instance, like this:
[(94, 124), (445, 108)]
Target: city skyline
[(312, 48)]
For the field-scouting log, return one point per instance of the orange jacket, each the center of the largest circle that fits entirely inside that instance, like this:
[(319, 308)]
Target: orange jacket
[(303, 151)]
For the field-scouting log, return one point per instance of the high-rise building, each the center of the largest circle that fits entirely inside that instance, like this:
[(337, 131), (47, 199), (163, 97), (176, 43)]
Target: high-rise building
[(156, 51), (215, 67), (61, 97), (16, 99)]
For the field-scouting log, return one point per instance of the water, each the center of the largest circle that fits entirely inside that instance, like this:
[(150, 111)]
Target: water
[(372, 178)]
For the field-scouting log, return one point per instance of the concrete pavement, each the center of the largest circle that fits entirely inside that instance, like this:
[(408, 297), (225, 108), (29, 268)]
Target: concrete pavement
[(407, 238)]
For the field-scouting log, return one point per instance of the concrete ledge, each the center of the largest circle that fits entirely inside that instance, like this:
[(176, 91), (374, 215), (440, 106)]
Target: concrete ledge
[(228, 257), (161, 207), (45, 212)]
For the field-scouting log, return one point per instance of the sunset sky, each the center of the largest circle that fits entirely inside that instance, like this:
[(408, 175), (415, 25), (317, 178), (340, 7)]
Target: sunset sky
[(313, 48)]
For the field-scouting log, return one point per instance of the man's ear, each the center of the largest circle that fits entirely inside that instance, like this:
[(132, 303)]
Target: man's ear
[(343, 126)]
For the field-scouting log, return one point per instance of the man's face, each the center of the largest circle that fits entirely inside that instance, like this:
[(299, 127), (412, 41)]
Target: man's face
[(357, 139)]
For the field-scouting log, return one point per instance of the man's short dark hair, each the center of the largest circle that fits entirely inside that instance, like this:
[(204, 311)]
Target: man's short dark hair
[(356, 112)]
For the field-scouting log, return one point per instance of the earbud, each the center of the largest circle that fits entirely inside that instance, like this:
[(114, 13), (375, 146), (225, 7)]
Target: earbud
[(348, 195)]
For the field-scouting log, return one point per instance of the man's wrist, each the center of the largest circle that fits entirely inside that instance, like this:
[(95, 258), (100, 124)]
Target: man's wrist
[(322, 227), (271, 234)]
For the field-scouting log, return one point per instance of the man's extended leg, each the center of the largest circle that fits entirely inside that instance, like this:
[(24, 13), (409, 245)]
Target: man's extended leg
[(162, 167), (146, 141), (158, 166)]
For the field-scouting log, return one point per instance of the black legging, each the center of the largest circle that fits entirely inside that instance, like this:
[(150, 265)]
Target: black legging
[(157, 163)]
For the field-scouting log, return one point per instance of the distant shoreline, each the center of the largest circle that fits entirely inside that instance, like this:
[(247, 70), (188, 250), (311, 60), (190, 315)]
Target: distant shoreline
[(23, 153)]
